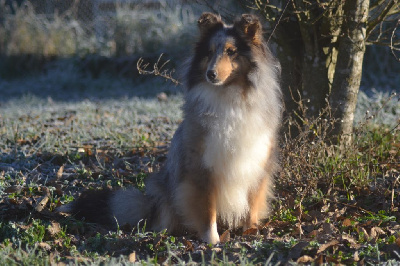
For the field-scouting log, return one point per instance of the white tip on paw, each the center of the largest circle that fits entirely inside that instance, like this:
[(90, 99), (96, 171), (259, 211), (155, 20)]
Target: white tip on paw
[(211, 235)]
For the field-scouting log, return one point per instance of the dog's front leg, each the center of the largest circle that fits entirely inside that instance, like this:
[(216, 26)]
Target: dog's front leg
[(198, 202)]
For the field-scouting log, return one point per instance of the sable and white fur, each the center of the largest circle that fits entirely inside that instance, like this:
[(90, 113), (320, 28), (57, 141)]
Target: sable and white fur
[(222, 158)]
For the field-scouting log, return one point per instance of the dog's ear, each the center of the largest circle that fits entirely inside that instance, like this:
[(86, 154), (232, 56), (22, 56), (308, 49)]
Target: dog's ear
[(250, 26), (208, 21)]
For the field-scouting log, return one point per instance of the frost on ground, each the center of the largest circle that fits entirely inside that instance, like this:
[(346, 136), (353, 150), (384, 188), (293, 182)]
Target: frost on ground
[(331, 206), (382, 108)]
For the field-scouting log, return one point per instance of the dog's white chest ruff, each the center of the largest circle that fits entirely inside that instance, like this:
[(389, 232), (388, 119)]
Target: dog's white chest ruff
[(236, 149)]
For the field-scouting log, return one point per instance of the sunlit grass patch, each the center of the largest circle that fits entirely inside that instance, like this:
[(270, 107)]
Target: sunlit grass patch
[(330, 201)]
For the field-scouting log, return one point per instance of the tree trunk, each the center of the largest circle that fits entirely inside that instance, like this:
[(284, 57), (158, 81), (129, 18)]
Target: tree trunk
[(307, 51), (347, 77)]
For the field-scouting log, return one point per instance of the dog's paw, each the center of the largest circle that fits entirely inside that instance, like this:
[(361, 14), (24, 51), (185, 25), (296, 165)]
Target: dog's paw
[(211, 235)]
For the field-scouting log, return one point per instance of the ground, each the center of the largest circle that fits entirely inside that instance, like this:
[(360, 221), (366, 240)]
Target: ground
[(332, 205)]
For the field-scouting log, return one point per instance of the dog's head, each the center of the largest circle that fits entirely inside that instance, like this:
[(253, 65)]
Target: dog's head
[(224, 52)]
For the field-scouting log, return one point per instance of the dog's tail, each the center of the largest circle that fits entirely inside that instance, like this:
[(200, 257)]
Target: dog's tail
[(111, 208)]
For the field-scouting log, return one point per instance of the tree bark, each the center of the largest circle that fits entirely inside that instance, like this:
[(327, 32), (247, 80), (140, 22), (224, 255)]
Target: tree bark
[(307, 50), (348, 71)]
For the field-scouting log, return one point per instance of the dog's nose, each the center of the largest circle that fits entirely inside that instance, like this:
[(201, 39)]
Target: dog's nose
[(211, 74)]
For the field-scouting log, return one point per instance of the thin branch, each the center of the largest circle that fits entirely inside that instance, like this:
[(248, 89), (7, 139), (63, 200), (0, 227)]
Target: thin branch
[(157, 70), (387, 44), (392, 48), (278, 21), (376, 4), (389, 8)]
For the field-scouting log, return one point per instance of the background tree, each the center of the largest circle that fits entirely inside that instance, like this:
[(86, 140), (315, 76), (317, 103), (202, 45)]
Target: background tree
[(321, 45)]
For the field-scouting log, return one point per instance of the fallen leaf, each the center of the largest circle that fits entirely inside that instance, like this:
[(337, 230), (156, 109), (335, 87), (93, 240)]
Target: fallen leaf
[(132, 257), (296, 250), (217, 250), (279, 224), (60, 171), (157, 241), (325, 208), (313, 234), (44, 246), (225, 237), (332, 259), (59, 190), (53, 229), (251, 231), (347, 222), (355, 256), (398, 241), (305, 259), (325, 246), (13, 189), (352, 241), (188, 245), (42, 203), (361, 230), (368, 223), (319, 260), (328, 228), (376, 232)]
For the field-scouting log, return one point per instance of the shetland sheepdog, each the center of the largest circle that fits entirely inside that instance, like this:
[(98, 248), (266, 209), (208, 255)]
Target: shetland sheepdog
[(222, 159)]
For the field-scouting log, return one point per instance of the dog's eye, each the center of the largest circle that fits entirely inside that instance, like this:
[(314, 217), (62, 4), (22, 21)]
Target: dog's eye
[(230, 51)]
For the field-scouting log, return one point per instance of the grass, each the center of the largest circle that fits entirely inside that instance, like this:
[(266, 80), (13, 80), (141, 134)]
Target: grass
[(76, 123), (51, 150), (133, 29)]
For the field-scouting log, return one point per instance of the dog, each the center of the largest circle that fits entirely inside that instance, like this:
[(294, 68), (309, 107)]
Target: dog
[(223, 157)]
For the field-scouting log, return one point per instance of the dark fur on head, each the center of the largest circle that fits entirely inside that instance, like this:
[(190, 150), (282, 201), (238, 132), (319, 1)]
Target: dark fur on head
[(250, 27), (209, 22), (247, 32)]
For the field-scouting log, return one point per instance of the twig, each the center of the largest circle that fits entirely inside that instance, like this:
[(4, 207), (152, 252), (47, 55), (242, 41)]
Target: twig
[(392, 48), (278, 21), (394, 184), (157, 71)]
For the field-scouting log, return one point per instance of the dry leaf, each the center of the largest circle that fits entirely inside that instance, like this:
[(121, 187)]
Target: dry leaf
[(398, 241), (157, 242), (362, 230), (59, 190), (313, 234), (325, 246), (319, 260), (347, 222), (296, 250), (355, 256), (328, 228), (54, 229), (13, 189), (60, 171), (217, 250), (42, 203), (332, 259), (251, 231), (132, 257), (376, 232), (188, 245), (44, 246), (352, 241), (225, 237), (305, 259)]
